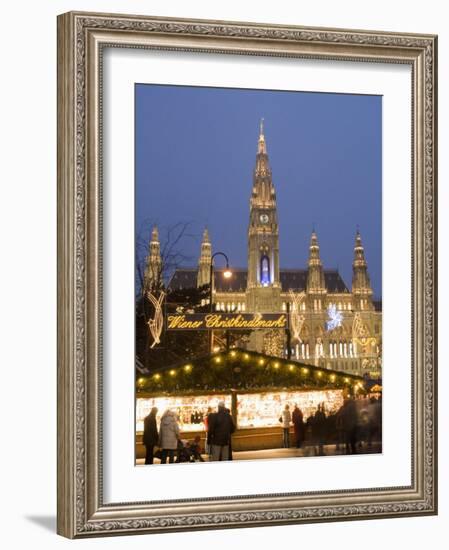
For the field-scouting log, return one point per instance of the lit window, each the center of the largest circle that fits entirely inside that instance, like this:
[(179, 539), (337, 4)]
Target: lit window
[(265, 270)]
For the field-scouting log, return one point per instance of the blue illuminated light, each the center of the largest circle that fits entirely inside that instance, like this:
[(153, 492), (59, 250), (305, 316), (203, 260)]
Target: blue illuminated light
[(335, 318), (265, 270)]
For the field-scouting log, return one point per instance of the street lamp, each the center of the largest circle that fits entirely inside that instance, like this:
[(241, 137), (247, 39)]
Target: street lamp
[(227, 273)]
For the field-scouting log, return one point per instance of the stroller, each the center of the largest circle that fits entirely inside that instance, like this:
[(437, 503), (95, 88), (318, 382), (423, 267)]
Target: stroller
[(183, 452), (189, 451)]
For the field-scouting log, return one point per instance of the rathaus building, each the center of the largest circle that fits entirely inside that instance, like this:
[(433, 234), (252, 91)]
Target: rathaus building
[(332, 325)]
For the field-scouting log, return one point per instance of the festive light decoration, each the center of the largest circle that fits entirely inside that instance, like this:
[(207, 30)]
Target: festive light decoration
[(156, 324), (296, 319), (335, 319)]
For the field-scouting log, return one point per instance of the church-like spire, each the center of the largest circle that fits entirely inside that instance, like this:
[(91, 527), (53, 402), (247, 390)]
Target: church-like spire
[(153, 268), (263, 230), (361, 284), (263, 189), (262, 147), (315, 274), (203, 277)]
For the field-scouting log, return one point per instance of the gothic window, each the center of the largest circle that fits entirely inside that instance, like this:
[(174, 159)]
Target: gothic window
[(265, 270)]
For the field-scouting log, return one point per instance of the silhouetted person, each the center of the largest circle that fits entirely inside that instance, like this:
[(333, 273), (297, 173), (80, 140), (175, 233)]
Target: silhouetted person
[(319, 427), (150, 435), (298, 425), (286, 418), (348, 415)]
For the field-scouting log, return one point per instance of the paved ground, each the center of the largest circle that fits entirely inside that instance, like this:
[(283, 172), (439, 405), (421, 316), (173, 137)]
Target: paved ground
[(329, 450)]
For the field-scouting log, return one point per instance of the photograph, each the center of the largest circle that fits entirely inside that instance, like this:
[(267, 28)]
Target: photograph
[(258, 274)]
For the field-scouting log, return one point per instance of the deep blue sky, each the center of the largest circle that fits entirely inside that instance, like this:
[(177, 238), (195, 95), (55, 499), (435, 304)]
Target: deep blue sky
[(195, 154)]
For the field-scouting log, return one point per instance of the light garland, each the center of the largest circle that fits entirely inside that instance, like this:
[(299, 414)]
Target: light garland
[(332, 378)]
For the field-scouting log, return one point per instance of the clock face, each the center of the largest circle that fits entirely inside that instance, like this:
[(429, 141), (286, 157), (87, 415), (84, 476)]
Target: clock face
[(264, 218)]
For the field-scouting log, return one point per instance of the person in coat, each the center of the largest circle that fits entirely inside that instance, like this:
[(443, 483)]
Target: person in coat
[(168, 436), (150, 435), (286, 418), (221, 427), (298, 425)]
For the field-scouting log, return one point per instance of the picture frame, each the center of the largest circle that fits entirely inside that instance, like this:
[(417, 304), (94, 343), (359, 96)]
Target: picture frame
[(82, 41)]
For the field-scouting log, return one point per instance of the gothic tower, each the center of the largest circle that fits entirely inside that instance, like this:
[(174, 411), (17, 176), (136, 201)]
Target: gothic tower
[(263, 284), (203, 277), (315, 274), (153, 269), (361, 285)]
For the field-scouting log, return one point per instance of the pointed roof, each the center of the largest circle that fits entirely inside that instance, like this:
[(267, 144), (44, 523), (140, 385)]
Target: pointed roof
[(262, 147), (206, 238), (359, 251), (155, 234)]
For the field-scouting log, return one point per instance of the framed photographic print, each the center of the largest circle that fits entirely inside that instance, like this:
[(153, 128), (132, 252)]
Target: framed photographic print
[(247, 274)]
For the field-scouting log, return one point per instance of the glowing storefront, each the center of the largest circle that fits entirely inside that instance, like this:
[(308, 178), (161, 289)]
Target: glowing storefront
[(254, 387)]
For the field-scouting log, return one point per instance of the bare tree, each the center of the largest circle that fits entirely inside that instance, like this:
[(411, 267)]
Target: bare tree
[(172, 256)]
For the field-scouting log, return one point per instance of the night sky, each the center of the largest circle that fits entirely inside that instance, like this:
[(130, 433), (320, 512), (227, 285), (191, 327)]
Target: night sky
[(195, 155)]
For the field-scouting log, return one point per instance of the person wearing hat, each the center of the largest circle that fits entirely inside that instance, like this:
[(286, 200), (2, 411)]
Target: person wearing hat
[(221, 427)]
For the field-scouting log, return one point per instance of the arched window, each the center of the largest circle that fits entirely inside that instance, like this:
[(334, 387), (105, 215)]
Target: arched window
[(265, 270)]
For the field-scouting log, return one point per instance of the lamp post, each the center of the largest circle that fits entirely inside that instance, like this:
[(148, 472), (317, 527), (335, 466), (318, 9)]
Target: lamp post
[(226, 274)]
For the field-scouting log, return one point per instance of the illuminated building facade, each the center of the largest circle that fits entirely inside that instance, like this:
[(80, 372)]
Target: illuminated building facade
[(332, 326)]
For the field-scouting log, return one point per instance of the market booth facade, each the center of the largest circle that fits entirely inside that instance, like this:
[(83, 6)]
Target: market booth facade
[(255, 388)]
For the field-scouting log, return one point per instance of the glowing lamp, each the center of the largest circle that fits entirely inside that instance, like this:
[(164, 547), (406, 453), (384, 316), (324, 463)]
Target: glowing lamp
[(227, 273)]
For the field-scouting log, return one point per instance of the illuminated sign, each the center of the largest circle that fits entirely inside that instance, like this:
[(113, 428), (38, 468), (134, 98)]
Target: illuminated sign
[(227, 321)]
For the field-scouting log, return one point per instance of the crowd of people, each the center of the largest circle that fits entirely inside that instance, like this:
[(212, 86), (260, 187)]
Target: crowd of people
[(357, 422), (219, 427)]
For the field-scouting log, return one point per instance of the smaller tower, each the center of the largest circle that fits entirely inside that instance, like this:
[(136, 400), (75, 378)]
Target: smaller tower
[(315, 274), (205, 260), (153, 268), (361, 285)]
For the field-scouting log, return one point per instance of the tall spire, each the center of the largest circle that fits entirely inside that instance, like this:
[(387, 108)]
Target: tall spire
[(263, 234), (315, 274), (361, 284), (262, 147), (263, 189), (203, 277), (153, 268)]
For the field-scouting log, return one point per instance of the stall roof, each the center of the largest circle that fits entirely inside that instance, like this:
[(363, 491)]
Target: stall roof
[(242, 369)]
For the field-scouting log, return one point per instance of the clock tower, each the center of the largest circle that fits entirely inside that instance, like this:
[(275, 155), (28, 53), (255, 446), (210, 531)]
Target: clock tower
[(263, 284)]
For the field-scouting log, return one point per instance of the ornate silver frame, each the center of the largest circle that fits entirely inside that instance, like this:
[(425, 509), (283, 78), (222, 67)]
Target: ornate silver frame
[(81, 38)]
